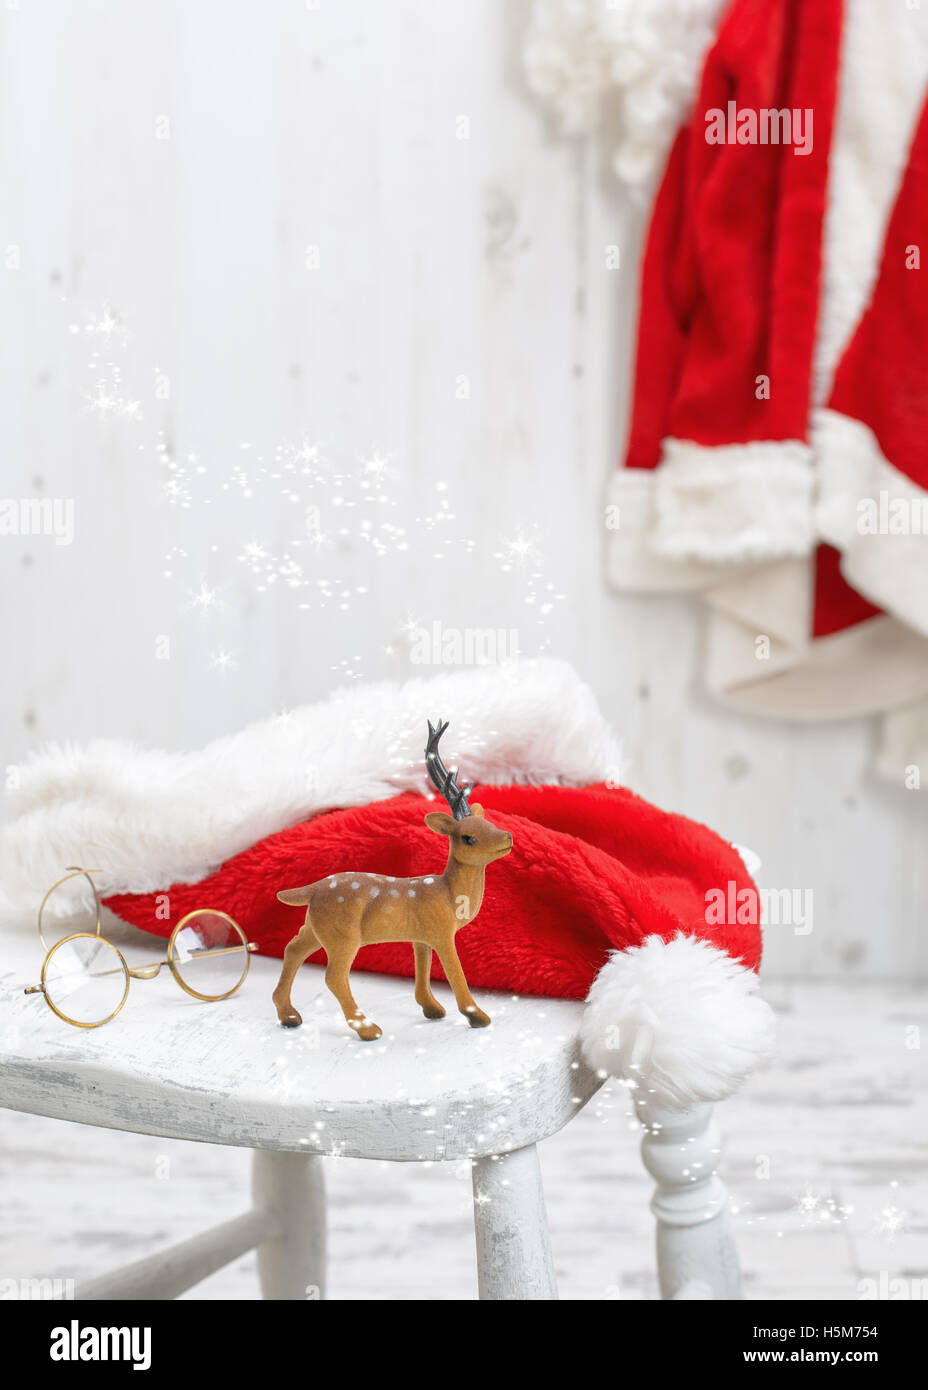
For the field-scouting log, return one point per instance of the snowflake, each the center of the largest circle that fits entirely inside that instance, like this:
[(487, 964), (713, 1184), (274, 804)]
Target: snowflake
[(307, 456), (519, 550), (108, 399), (375, 466), (891, 1222), (253, 551), (106, 326), (205, 598), (819, 1207), (222, 661)]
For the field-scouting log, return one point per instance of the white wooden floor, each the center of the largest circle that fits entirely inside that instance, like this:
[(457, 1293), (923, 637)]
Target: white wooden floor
[(825, 1158)]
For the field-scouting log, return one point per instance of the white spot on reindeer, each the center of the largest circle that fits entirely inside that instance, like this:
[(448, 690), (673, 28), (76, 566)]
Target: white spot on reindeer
[(394, 892), (412, 892), (356, 885), (428, 880), (339, 899), (375, 892), (333, 883)]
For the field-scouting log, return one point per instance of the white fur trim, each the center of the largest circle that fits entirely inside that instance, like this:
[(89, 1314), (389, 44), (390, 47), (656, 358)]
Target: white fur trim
[(734, 501), (649, 53), (631, 563), (889, 568), (148, 818), (679, 1020)]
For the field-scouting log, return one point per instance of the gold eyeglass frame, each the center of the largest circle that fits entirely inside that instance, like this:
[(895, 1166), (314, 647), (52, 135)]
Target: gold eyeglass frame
[(140, 972)]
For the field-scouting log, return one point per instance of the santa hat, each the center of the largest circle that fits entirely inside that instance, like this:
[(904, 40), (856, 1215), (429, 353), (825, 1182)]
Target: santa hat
[(650, 917), (782, 357)]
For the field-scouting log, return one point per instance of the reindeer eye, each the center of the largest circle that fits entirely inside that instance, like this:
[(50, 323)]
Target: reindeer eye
[(469, 839)]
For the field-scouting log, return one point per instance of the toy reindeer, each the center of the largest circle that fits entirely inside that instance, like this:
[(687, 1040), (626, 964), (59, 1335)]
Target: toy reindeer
[(349, 910)]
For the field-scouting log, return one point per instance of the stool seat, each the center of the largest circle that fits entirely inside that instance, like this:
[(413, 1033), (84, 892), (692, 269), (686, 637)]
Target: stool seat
[(228, 1073)]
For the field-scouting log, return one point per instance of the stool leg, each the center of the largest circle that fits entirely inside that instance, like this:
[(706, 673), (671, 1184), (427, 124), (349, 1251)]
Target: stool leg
[(292, 1265), (513, 1254), (696, 1254)]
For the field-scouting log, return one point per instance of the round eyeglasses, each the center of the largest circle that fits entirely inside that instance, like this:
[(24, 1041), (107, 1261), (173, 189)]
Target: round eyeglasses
[(85, 979)]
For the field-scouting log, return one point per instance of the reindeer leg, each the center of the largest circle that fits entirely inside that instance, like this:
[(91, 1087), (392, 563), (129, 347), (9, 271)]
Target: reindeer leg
[(302, 945), (463, 997), (340, 958), (424, 996)]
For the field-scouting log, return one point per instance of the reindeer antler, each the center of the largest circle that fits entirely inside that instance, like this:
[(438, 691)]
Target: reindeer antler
[(445, 781)]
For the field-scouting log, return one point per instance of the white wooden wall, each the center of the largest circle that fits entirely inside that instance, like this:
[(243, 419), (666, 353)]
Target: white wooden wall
[(178, 162)]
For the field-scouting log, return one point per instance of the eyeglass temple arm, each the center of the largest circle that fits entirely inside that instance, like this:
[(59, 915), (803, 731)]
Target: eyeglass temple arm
[(148, 972), (72, 871)]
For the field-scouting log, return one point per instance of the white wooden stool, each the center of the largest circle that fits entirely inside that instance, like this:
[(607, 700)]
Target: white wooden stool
[(227, 1073)]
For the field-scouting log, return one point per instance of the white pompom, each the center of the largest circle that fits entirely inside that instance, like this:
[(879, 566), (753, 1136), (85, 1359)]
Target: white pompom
[(680, 1020)]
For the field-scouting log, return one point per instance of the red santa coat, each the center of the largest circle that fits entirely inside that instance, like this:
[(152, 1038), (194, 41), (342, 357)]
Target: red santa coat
[(775, 457)]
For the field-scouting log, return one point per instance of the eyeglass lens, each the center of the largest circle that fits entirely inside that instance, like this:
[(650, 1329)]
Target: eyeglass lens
[(210, 954), (85, 979)]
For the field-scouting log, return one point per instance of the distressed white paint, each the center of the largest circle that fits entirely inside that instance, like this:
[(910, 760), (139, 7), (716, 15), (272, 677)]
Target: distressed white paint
[(169, 1273), (228, 1074), (513, 1250), (696, 1255), (291, 1187), (336, 126)]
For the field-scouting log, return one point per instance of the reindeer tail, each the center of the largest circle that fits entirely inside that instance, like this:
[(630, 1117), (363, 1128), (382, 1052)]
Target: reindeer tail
[(296, 897)]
